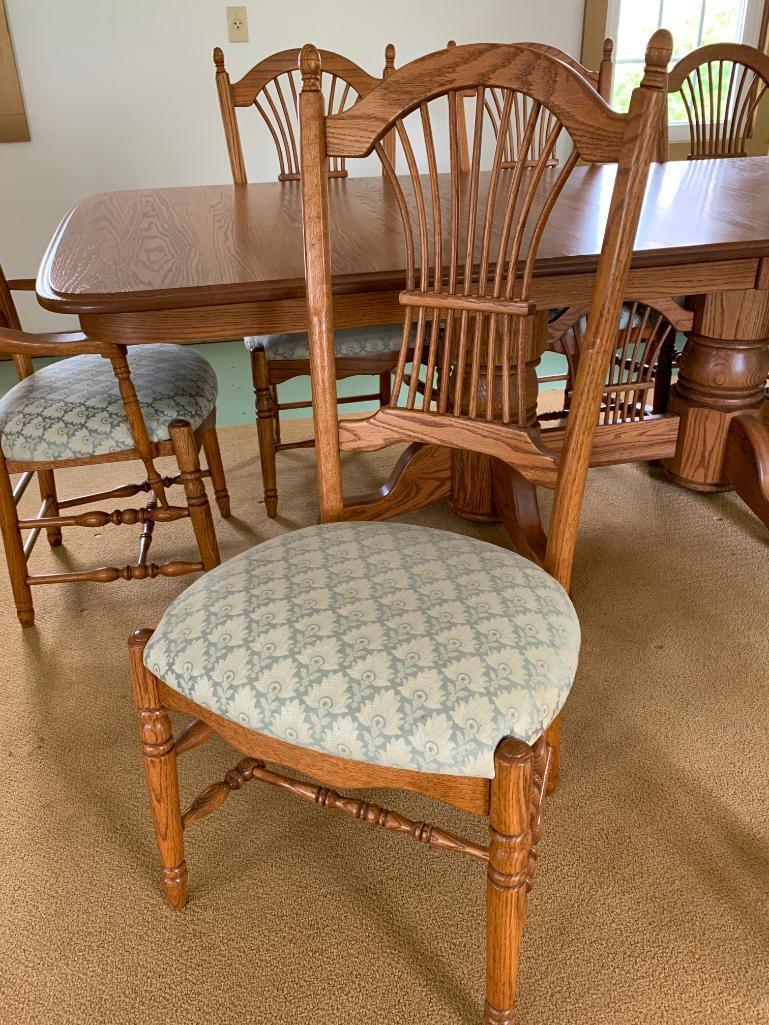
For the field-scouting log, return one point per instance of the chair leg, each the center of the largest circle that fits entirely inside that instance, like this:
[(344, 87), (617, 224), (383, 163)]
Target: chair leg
[(276, 407), (159, 754), (265, 426), (14, 550), (385, 389), (214, 460), (48, 490), (186, 452), (508, 877)]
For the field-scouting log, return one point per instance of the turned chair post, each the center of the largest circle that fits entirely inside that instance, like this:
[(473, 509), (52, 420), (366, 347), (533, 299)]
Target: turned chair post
[(266, 424), (136, 423), (229, 120), (216, 468), (159, 757), (14, 549), (191, 478), (606, 70), (507, 876), (389, 66)]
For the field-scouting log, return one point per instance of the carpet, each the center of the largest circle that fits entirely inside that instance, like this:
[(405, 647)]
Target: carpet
[(652, 897)]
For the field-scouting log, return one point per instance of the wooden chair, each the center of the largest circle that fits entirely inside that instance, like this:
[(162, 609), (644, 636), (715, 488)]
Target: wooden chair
[(101, 406), (721, 86), (640, 366), (272, 88), (392, 655)]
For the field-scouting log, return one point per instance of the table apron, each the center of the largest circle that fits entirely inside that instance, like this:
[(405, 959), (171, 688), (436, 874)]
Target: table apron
[(359, 309)]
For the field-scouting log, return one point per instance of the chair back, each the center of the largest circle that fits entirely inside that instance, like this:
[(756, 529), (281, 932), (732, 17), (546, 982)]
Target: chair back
[(721, 86), (272, 87), (637, 376), (471, 245), (512, 129), (9, 318)]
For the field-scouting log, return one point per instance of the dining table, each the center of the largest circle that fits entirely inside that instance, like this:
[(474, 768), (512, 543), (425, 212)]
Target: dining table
[(218, 262)]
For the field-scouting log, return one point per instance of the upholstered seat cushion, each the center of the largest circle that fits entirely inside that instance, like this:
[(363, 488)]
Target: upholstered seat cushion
[(354, 341), (385, 643), (72, 409)]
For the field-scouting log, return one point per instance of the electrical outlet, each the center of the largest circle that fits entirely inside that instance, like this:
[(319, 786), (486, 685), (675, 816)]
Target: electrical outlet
[(237, 24)]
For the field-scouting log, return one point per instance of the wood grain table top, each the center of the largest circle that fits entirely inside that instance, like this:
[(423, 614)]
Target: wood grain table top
[(154, 249)]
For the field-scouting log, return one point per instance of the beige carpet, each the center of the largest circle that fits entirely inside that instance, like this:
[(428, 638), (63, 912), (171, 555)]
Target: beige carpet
[(652, 902)]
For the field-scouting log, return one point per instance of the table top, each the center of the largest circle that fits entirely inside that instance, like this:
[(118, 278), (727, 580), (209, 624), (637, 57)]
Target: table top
[(154, 249)]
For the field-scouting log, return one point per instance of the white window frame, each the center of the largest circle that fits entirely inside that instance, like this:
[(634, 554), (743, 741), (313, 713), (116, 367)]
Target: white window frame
[(678, 131)]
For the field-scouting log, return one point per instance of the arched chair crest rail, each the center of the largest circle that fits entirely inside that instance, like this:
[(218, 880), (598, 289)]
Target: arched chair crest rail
[(721, 86), (102, 405), (455, 632), (271, 87)]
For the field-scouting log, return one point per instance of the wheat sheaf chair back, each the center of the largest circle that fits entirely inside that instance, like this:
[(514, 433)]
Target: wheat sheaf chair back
[(471, 248), (721, 86), (272, 88)]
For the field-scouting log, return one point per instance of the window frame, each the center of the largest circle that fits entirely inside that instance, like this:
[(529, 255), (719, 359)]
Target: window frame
[(678, 131)]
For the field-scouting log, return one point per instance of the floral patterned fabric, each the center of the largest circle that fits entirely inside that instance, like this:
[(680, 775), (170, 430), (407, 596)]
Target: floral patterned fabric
[(73, 408), (354, 341), (385, 643)]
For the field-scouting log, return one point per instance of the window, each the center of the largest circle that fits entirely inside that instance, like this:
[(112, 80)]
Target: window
[(693, 23)]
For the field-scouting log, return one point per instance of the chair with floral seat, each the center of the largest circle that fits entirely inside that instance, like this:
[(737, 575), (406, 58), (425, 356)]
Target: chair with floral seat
[(271, 88), (103, 403), (394, 655)]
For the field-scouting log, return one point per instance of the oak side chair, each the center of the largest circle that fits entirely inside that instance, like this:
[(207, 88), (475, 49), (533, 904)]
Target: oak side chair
[(391, 655), (721, 87), (271, 87), (100, 405), (638, 375)]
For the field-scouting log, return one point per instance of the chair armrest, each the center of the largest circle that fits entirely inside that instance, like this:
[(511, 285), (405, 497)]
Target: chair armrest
[(56, 343), (21, 284)]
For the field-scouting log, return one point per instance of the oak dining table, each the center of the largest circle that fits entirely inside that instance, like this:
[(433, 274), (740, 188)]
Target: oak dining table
[(221, 262)]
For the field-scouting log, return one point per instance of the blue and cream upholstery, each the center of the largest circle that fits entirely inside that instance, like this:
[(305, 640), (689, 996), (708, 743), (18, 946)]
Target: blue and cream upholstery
[(385, 643), (73, 409), (354, 341)]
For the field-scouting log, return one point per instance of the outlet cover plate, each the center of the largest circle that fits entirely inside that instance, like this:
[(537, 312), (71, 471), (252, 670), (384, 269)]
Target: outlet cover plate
[(237, 24)]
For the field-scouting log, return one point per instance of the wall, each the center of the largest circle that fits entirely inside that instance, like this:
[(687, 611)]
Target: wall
[(120, 93)]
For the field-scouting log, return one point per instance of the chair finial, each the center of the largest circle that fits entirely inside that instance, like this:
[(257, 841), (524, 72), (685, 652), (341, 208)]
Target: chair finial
[(659, 51), (390, 57), (608, 48), (309, 66), (451, 42), (219, 59)]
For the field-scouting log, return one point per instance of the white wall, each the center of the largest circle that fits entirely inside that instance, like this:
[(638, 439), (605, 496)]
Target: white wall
[(120, 93)]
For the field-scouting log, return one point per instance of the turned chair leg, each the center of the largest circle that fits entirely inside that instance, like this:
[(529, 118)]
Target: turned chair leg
[(215, 465), (508, 877), (385, 389), (14, 550), (159, 754), (48, 491), (265, 426), (186, 452)]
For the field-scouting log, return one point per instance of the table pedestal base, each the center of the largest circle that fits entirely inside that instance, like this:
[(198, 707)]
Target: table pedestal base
[(722, 378)]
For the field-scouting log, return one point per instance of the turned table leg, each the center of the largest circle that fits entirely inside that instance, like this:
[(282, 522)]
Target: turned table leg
[(721, 381)]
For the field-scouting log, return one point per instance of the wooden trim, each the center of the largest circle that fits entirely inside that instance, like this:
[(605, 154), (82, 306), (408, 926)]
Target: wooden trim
[(515, 445), (13, 117), (470, 793), (638, 441)]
